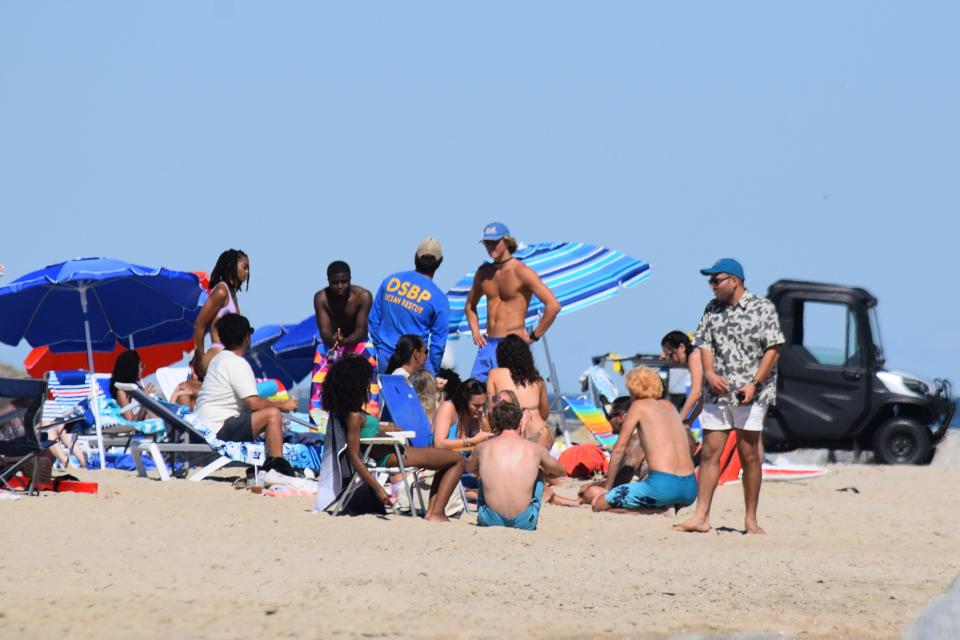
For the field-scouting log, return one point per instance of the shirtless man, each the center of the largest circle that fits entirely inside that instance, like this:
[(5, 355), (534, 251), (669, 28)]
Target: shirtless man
[(341, 309), (508, 285), (510, 468), (633, 461), (671, 482)]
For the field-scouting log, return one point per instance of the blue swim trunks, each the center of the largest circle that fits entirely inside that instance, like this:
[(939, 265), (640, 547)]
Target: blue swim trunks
[(526, 519), (486, 360), (657, 490)]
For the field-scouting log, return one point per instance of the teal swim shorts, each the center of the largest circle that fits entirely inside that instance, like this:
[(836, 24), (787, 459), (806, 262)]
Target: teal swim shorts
[(657, 490)]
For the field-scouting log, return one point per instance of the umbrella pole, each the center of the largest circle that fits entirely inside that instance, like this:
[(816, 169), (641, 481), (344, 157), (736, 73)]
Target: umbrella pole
[(557, 397), (94, 404)]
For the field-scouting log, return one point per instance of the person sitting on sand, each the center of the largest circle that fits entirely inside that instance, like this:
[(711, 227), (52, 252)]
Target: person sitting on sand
[(345, 392), (511, 470), (462, 422), (228, 403), (633, 461), (670, 482), (518, 373)]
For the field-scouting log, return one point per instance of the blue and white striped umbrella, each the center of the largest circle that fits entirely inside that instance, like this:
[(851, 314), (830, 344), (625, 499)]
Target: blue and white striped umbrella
[(578, 274)]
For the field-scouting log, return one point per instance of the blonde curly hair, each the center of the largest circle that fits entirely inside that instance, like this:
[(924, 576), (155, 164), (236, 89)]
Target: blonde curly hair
[(644, 382)]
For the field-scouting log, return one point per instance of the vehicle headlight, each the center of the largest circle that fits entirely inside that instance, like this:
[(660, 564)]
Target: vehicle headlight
[(917, 386)]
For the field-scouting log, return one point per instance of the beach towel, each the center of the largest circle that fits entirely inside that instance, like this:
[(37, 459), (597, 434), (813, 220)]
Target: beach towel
[(111, 416), (321, 364), (335, 467), (300, 456)]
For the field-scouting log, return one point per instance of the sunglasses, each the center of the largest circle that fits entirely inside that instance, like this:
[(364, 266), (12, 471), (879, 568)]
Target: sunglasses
[(716, 282)]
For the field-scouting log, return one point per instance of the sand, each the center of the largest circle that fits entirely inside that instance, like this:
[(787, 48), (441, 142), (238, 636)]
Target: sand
[(203, 560)]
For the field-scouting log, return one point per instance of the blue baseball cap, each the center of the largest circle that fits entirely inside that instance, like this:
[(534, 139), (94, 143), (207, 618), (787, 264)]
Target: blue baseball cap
[(725, 265), (494, 231)]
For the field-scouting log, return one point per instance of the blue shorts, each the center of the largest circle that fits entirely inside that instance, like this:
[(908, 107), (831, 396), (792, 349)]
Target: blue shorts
[(657, 490), (526, 519), (486, 360)]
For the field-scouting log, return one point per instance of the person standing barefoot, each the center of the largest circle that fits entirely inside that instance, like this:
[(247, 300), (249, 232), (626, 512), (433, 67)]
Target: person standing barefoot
[(739, 339), (508, 285)]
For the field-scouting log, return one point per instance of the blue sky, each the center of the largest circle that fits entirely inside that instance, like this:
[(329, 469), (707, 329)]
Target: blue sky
[(816, 140)]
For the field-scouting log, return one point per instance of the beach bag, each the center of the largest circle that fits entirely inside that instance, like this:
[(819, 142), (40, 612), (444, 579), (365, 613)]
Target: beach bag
[(425, 481), (583, 461)]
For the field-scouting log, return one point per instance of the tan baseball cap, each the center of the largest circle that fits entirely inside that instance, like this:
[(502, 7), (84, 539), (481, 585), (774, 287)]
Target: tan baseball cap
[(430, 247)]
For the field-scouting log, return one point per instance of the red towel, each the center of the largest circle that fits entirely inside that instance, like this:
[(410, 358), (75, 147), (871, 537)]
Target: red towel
[(583, 461)]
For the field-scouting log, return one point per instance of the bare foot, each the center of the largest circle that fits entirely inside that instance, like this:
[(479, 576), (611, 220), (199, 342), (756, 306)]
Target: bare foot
[(754, 528), (437, 518), (693, 525)]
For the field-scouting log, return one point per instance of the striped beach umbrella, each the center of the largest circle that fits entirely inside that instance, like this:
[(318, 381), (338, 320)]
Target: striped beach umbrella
[(578, 274)]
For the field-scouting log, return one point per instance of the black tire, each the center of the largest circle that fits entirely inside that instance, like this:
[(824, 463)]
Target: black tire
[(902, 441)]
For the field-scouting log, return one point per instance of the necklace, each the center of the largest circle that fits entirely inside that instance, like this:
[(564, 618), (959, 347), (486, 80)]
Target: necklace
[(503, 261)]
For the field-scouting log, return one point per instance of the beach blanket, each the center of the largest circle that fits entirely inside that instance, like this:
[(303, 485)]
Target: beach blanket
[(322, 360), (593, 419)]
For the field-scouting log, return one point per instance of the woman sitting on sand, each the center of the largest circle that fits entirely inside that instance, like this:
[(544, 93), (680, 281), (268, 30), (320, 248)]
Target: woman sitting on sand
[(516, 372), (228, 275), (345, 392), (425, 385), (409, 356), (462, 422)]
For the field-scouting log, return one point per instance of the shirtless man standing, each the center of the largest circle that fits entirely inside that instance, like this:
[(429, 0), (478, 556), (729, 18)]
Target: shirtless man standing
[(508, 285), (671, 482), (341, 311), (510, 468)]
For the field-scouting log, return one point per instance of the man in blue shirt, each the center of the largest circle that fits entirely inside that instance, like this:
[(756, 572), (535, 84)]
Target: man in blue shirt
[(410, 303)]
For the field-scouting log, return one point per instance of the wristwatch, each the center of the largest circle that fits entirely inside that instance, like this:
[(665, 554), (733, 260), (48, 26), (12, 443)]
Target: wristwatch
[(533, 336)]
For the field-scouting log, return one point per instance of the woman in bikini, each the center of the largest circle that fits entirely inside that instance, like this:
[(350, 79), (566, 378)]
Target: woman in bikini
[(516, 372), (229, 274), (462, 422), (677, 348)]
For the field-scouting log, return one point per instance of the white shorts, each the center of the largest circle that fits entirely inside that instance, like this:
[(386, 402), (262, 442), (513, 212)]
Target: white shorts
[(724, 417)]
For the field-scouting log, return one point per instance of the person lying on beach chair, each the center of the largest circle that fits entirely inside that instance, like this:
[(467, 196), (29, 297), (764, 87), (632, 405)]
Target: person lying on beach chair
[(228, 403), (633, 461), (671, 481), (511, 471)]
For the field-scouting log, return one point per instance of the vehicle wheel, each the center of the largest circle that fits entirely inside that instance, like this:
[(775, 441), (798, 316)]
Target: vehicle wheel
[(902, 441)]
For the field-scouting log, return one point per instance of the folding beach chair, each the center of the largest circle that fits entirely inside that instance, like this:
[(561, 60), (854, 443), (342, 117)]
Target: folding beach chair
[(21, 408), (594, 419), (300, 456)]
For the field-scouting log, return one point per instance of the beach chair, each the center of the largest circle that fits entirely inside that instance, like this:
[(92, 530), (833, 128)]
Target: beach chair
[(395, 439), (300, 456), (21, 408), (594, 419)]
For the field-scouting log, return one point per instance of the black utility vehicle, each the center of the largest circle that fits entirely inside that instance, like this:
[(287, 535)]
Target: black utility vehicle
[(833, 389)]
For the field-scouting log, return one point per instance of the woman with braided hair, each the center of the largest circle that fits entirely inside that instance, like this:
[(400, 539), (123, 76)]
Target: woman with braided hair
[(229, 274)]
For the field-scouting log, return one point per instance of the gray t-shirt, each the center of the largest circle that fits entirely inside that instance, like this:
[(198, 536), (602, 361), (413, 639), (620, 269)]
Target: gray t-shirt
[(738, 335)]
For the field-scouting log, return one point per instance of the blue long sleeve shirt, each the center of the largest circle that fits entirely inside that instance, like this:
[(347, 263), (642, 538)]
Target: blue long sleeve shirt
[(409, 303)]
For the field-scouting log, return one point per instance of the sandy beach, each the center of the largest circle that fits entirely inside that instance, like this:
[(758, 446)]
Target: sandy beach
[(204, 560)]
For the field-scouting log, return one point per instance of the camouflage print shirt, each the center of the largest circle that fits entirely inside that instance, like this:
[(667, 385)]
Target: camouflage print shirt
[(738, 336)]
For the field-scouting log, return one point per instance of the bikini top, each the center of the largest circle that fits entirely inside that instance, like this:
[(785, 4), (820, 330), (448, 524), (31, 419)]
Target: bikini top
[(230, 307)]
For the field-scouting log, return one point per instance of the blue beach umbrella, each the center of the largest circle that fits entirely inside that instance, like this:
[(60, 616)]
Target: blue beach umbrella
[(578, 274), (267, 364), (300, 341), (97, 301)]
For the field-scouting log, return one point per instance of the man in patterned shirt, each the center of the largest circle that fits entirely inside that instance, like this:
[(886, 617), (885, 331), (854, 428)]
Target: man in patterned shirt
[(739, 339)]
